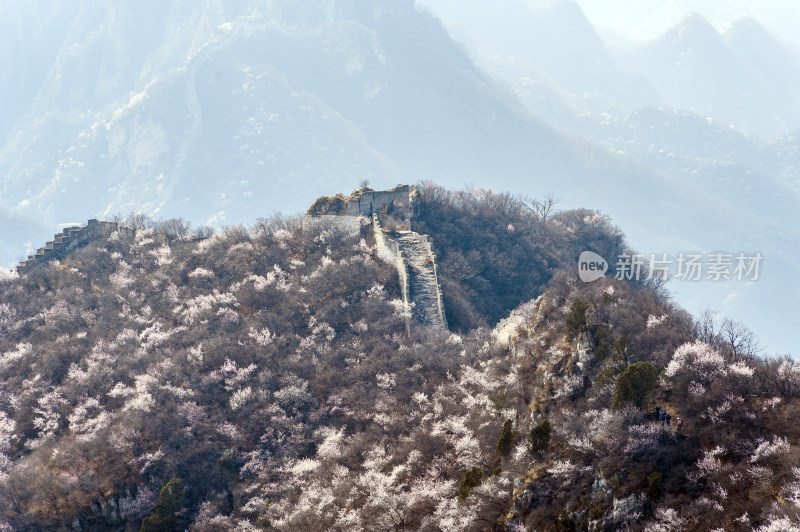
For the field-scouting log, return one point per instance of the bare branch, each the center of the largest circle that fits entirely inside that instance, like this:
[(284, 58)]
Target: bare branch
[(542, 208)]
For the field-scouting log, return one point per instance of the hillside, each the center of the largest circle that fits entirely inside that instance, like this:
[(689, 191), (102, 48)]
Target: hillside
[(263, 378)]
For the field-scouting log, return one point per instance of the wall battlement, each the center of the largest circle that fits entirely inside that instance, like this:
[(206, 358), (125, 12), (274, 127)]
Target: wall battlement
[(347, 213), (71, 238)]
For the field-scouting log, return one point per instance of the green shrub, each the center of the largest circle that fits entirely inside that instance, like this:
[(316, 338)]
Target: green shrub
[(653, 486), (263, 515), (227, 462), (564, 522), (576, 319), (621, 348), (607, 376), (506, 438), (539, 438), (499, 398), (634, 385), (472, 478), (602, 348)]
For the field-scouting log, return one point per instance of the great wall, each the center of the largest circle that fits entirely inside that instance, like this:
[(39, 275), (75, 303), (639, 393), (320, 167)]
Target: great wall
[(72, 238), (409, 252)]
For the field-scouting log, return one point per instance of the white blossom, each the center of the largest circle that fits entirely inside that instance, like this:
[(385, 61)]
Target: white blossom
[(241, 398), (697, 358), (654, 321), (765, 449), (200, 273)]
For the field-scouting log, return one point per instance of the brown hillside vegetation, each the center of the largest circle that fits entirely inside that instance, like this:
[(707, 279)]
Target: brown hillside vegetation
[(263, 378)]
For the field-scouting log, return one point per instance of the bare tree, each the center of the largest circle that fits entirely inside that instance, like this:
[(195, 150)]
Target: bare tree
[(731, 337), (139, 220), (542, 208), (655, 279), (708, 329), (739, 340), (204, 232), (174, 227), (270, 224)]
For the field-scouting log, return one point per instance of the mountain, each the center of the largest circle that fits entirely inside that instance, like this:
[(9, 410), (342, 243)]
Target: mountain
[(225, 112), (694, 68), (777, 63), (269, 377), (201, 111), (550, 43), (644, 20)]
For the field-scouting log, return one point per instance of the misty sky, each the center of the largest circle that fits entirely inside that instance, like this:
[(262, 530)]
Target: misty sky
[(644, 20)]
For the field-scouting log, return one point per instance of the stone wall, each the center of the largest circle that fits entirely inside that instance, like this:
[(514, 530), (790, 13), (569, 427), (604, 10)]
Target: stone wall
[(409, 252), (419, 277), (72, 238), (397, 201), (428, 246), (350, 225), (389, 251)]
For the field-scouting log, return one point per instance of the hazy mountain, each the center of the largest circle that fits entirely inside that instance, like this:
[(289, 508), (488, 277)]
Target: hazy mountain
[(238, 103), (676, 123), (777, 64), (223, 112), (644, 20), (694, 68), (547, 43)]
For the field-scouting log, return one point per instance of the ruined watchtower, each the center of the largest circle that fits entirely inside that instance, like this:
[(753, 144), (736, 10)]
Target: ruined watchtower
[(345, 212)]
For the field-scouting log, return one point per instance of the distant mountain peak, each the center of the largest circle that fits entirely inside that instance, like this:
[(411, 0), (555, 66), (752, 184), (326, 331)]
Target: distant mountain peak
[(693, 27), (747, 31)]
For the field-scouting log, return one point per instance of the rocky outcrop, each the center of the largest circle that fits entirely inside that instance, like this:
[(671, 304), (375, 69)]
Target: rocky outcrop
[(118, 512)]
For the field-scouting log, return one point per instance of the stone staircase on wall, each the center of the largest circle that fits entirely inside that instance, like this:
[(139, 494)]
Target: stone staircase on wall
[(423, 281), (412, 254)]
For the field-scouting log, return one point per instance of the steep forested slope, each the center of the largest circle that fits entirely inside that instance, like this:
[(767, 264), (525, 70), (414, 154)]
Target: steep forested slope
[(262, 378), (496, 252)]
